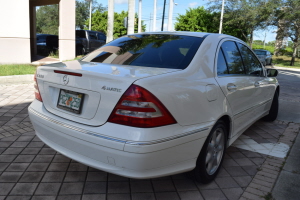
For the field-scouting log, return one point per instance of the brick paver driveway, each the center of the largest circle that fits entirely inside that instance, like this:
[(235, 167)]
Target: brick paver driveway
[(29, 169)]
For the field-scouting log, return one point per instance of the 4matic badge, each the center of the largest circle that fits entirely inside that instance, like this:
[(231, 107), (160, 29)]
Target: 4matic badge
[(111, 89)]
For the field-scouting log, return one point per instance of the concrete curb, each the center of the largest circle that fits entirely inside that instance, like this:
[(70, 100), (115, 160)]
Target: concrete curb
[(16, 79)]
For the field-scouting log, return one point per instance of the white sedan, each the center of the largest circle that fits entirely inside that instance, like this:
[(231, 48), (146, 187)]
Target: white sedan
[(154, 104)]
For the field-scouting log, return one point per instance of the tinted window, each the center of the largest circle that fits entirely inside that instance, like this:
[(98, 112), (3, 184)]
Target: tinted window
[(233, 58), (258, 52), (101, 37), (93, 36), (251, 63), (80, 34), (157, 50), (221, 65)]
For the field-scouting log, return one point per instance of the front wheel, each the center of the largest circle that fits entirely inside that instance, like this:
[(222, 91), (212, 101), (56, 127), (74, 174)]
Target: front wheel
[(273, 112), (212, 154)]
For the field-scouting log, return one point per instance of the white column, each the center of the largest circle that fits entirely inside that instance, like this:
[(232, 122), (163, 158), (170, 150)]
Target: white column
[(110, 21), (221, 19), (90, 20), (131, 12), (66, 30), (154, 17), (15, 32), (140, 17), (170, 15)]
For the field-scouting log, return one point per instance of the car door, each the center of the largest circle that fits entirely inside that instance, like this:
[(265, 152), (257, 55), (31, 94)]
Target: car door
[(101, 38), (255, 73), (236, 85), (93, 41)]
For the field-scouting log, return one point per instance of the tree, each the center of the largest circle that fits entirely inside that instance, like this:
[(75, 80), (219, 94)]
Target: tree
[(202, 20), (247, 15), (197, 20), (99, 23), (288, 17), (47, 19), (83, 12)]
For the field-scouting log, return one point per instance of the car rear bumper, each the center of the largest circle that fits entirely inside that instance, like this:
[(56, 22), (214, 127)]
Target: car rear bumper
[(129, 158)]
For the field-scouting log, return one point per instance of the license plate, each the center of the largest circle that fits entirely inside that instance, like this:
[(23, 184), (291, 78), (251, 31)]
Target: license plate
[(70, 101)]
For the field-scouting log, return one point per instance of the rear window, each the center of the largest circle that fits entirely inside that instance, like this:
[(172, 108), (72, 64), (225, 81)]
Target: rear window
[(157, 50), (260, 52)]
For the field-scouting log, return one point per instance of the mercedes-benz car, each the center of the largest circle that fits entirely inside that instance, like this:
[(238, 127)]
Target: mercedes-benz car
[(154, 104)]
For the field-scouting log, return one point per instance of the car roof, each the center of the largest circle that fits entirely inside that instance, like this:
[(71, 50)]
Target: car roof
[(187, 33)]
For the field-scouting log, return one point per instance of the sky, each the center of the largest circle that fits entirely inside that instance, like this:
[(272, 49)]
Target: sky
[(180, 8)]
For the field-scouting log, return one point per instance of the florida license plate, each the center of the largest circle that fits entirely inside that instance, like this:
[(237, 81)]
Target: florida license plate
[(70, 101)]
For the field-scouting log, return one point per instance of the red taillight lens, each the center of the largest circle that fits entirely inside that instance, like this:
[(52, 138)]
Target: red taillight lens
[(36, 90), (139, 108)]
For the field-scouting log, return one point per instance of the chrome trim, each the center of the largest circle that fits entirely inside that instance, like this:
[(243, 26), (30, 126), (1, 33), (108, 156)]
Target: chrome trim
[(75, 128), (115, 139), (166, 139), (252, 107)]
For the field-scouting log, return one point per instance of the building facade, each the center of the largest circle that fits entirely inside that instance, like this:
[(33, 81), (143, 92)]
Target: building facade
[(18, 29)]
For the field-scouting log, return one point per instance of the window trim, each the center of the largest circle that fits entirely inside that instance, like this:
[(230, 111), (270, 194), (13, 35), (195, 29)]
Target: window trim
[(233, 75)]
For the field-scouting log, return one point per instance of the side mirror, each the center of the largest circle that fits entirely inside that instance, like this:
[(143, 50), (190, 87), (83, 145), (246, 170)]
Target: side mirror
[(272, 72)]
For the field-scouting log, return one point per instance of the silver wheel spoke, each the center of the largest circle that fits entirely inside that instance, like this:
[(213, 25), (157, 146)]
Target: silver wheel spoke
[(215, 150), (210, 152), (209, 166)]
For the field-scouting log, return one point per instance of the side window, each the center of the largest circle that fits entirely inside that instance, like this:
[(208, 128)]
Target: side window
[(80, 34), (221, 65), (93, 36), (101, 37), (233, 58), (252, 64)]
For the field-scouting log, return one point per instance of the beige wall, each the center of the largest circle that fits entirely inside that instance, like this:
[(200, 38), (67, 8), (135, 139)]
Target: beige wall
[(15, 32)]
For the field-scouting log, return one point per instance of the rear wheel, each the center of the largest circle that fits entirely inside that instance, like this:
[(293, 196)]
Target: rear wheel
[(212, 154), (273, 112)]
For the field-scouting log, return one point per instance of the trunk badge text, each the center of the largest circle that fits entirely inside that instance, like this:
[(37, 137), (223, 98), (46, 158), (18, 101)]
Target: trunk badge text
[(111, 89), (66, 79)]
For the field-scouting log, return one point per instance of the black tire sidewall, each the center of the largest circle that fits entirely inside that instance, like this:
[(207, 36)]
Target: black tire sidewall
[(274, 108)]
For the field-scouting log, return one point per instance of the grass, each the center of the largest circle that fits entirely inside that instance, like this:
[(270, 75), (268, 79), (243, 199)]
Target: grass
[(284, 61), (7, 70)]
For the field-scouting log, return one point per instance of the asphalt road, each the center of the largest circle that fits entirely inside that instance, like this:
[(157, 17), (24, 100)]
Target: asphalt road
[(289, 98), (288, 182)]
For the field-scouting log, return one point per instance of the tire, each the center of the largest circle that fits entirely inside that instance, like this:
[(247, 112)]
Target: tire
[(273, 112), (212, 154), (80, 50)]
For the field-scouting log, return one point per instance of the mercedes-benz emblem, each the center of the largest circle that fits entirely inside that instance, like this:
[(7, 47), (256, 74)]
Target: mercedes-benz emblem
[(66, 79)]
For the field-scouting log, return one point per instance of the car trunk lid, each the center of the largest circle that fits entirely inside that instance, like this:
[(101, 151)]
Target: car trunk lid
[(98, 86)]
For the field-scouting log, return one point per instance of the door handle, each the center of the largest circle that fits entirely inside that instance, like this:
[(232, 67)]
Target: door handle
[(257, 84), (231, 87)]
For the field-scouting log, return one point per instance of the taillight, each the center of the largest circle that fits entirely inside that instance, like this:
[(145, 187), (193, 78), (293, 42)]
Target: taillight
[(139, 108), (36, 90)]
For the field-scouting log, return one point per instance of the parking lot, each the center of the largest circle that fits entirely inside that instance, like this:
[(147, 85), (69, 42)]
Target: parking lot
[(29, 169)]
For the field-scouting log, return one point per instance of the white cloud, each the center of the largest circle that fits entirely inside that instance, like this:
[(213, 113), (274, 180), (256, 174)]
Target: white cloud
[(193, 4), (121, 1)]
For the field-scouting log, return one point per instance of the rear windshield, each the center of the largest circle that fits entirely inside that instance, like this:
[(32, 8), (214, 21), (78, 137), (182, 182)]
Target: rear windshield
[(257, 52), (148, 50)]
